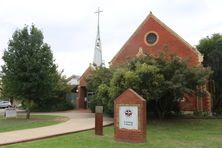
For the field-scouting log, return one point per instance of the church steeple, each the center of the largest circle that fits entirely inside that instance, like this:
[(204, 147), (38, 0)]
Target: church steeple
[(97, 59)]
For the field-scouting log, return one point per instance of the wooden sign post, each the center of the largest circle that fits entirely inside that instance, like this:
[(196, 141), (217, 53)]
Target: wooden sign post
[(99, 120), (130, 117)]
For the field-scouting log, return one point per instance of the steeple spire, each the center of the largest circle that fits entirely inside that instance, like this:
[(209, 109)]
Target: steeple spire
[(97, 59)]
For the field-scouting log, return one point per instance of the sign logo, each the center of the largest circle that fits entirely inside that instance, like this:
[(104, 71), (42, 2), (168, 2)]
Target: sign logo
[(128, 113), (128, 117)]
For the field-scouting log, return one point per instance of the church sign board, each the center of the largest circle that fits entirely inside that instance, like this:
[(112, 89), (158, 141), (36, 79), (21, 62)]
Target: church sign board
[(130, 117)]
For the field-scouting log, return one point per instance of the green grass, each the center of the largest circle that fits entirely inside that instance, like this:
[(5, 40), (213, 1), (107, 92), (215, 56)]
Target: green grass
[(20, 122), (184, 133)]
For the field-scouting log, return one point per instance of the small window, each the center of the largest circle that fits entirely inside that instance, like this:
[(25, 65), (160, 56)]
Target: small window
[(151, 38)]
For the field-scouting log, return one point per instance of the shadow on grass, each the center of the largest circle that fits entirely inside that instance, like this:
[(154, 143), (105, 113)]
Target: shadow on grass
[(35, 121)]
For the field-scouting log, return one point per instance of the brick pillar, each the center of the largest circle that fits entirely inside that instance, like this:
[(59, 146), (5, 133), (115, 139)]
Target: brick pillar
[(207, 102), (99, 120)]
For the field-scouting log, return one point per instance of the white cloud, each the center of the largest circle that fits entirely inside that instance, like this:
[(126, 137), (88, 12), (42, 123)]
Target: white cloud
[(69, 26)]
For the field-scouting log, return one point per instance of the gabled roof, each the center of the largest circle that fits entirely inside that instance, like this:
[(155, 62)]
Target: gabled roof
[(148, 20), (179, 37), (129, 95), (85, 75)]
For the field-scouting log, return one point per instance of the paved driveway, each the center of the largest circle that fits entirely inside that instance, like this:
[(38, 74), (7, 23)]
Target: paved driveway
[(78, 121)]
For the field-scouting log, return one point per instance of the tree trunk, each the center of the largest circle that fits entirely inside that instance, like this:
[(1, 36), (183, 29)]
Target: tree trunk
[(160, 114), (28, 109), (28, 113)]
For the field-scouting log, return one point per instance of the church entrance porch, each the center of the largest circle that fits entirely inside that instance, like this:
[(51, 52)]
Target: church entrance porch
[(81, 101)]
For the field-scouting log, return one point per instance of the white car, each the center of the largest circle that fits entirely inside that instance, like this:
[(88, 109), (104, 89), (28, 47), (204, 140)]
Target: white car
[(5, 104)]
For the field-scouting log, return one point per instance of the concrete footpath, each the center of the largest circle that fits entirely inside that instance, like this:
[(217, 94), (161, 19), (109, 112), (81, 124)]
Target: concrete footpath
[(78, 121)]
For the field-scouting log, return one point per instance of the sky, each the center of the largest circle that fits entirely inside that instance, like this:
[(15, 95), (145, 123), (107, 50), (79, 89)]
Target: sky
[(69, 26)]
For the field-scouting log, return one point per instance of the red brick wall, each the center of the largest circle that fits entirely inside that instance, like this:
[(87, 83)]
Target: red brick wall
[(189, 103), (130, 97), (80, 101), (207, 103), (82, 92), (194, 103), (168, 42), (85, 75)]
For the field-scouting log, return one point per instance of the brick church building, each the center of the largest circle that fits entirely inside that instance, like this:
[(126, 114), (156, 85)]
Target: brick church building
[(153, 37)]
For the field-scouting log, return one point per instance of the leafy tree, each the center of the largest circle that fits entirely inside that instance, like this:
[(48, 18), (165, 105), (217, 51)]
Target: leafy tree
[(161, 80), (98, 84), (57, 101), (211, 48), (29, 72)]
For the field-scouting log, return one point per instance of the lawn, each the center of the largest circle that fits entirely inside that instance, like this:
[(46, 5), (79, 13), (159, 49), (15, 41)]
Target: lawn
[(36, 121), (183, 133)]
